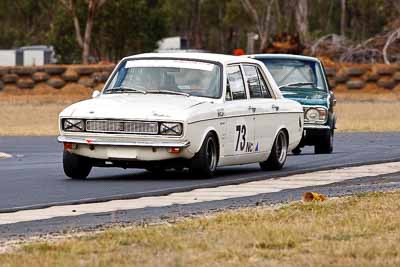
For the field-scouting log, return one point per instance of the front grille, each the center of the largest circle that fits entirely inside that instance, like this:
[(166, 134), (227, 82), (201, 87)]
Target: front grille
[(113, 126)]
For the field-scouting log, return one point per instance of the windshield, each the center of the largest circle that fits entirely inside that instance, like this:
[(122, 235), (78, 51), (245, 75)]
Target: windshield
[(288, 71), (183, 77)]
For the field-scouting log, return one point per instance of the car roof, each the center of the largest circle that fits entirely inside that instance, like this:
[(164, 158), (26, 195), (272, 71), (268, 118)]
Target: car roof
[(220, 58), (283, 56)]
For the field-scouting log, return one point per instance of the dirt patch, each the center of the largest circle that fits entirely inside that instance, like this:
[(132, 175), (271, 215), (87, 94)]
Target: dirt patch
[(370, 93)]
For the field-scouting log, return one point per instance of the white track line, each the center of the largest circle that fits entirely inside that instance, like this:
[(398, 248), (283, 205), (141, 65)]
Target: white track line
[(206, 194), (4, 155)]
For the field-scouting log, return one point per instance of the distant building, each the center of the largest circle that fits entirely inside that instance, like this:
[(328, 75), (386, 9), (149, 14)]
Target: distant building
[(37, 55), (175, 44)]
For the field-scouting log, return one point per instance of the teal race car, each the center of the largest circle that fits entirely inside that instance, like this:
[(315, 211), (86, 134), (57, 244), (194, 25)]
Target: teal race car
[(304, 80)]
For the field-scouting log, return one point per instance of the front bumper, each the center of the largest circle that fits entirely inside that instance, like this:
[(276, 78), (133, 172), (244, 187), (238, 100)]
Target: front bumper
[(313, 134), (113, 142), (316, 127), (126, 150)]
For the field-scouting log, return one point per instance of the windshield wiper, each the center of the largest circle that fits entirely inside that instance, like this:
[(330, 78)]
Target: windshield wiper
[(122, 89), (168, 92), (295, 84)]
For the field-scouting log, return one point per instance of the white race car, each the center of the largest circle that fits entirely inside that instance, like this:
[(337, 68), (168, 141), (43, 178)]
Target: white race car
[(181, 110)]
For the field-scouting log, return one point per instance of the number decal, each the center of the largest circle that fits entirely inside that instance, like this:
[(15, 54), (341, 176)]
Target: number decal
[(243, 142), (241, 137), (238, 127)]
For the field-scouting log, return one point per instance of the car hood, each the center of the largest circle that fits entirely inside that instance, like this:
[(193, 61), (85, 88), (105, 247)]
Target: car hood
[(134, 106), (307, 96)]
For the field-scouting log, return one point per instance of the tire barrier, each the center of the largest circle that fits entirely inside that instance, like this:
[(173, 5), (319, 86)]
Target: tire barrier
[(351, 77), (55, 76), (385, 77)]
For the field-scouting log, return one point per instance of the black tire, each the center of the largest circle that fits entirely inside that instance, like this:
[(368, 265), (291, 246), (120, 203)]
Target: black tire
[(75, 166), (296, 151), (156, 169), (179, 169), (204, 163), (278, 155), (325, 145)]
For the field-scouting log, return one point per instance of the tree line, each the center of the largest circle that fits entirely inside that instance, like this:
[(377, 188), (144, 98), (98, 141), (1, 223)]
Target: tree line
[(106, 30)]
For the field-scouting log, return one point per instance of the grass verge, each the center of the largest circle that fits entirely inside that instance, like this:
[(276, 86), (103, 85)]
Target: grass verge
[(368, 116), (362, 230), (37, 114)]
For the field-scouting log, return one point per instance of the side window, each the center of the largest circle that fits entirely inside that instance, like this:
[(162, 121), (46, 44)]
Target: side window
[(253, 81), (264, 88), (235, 84)]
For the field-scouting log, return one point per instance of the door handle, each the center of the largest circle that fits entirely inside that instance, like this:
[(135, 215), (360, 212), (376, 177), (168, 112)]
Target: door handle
[(275, 107), (253, 109)]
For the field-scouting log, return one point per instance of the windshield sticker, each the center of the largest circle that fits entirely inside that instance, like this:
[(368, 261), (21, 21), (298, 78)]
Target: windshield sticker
[(195, 65), (184, 87)]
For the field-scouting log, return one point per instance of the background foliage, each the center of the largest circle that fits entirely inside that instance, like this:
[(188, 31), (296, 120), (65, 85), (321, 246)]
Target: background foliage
[(123, 27)]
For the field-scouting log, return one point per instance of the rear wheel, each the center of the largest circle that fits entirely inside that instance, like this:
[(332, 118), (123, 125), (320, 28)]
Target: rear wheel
[(278, 155), (325, 145), (75, 166), (205, 162)]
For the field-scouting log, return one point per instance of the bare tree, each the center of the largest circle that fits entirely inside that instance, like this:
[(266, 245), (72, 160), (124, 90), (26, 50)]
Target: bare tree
[(261, 18), (195, 24), (393, 36), (84, 41), (302, 20), (343, 18), (391, 39)]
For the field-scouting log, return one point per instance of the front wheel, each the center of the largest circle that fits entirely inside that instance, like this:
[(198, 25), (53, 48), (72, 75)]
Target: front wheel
[(296, 151), (205, 162), (278, 155), (325, 145), (75, 166)]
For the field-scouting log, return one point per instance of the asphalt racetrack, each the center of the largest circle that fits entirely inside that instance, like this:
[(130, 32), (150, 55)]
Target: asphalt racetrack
[(34, 178)]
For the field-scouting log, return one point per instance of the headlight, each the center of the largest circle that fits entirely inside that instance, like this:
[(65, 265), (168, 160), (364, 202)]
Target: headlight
[(73, 125), (315, 115), (171, 128), (312, 115)]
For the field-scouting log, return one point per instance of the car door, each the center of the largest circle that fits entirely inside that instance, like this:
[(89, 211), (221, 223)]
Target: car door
[(266, 109), (239, 118)]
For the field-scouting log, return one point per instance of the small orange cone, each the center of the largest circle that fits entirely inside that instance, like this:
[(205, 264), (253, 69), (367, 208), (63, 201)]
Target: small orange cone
[(313, 196)]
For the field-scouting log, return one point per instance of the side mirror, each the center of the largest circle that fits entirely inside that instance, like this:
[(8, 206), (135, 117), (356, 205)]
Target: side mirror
[(95, 94)]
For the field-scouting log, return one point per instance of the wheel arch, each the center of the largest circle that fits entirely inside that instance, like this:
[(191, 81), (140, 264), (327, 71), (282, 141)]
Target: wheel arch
[(284, 129), (286, 133), (213, 132), (203, 137)]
